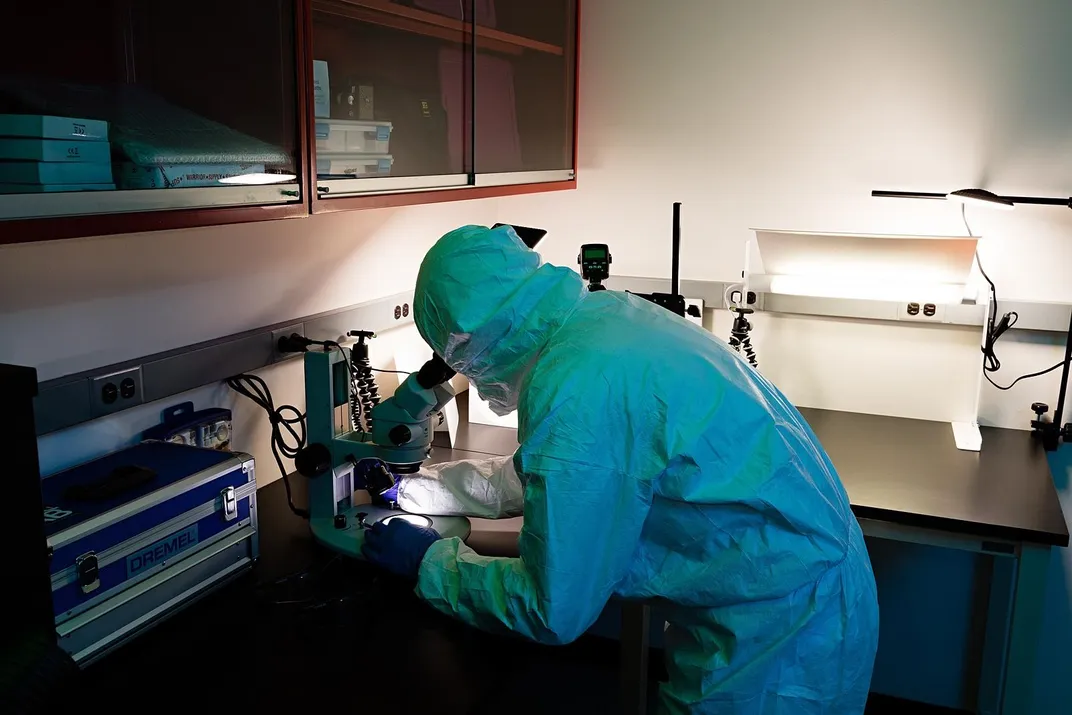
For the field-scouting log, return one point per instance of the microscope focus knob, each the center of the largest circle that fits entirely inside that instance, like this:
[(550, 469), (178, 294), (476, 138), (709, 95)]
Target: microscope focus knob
[(399, 435), (313, 460), (1040, 408)]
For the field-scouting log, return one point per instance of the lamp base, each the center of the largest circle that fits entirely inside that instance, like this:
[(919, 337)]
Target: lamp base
[(967, 436), (1051, 435)]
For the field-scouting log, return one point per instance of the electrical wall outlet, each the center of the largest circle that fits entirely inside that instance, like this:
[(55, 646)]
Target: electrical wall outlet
[(115, 392), (278, 356), (921, 312)]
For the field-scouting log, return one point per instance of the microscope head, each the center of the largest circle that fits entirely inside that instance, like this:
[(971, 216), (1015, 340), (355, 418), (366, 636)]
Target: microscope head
[(402, 424)]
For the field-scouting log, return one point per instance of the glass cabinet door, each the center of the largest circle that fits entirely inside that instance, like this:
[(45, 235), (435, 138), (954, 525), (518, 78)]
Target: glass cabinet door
[(524, 75), (391, 110), (139, 105)]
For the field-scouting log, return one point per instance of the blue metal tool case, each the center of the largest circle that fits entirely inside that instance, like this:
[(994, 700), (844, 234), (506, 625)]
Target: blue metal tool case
[(138, 534)]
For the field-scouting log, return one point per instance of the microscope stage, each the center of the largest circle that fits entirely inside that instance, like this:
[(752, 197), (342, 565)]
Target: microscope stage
[(348, 539)]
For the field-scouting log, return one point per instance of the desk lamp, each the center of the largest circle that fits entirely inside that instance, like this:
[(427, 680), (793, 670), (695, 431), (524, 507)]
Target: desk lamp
[(1051, 432)]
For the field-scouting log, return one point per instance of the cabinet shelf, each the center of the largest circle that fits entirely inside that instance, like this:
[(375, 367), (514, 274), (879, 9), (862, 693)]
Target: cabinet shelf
[(408, 19)]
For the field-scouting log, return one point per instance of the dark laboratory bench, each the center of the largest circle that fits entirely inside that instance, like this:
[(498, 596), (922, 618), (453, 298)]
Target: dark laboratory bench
[(906, 472), (910, 472), (307, 631)]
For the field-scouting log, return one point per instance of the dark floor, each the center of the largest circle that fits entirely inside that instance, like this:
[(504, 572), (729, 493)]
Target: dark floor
[(883, 705)]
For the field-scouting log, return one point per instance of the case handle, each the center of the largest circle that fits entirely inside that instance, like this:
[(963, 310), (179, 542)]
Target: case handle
[(173, 413)]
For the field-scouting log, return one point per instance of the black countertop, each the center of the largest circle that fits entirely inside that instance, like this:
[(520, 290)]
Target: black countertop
[(308, 630), (311, 632), (903, 471), (911, 472)]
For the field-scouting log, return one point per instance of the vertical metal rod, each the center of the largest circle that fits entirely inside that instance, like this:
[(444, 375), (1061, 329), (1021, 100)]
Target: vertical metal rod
[(675, 258), (1029, 596), (130, 61), (1058, 416), (636, 621)]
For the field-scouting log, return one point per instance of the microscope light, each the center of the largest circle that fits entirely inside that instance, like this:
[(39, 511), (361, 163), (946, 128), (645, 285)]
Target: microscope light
[(414, 519)]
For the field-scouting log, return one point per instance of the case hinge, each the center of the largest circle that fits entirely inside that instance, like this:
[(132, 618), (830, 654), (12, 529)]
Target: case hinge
[(88, 572), (230, 504)]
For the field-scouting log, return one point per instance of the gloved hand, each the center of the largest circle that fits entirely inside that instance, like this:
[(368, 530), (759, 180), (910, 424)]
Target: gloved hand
[(398, 546), (377, 478)]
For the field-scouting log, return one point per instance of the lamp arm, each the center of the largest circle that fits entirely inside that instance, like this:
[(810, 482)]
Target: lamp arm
[(1039, 200)]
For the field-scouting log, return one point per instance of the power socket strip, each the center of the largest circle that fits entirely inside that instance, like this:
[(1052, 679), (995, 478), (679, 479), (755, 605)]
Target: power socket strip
[(922, 312)]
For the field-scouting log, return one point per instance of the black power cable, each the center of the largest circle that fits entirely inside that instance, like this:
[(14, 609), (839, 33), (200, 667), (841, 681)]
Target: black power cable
[(283, 420), (994, 330), (288, 423), (1027, 376)]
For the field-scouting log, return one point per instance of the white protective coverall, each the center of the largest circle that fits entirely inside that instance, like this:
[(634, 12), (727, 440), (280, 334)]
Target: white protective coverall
[(655, 463)]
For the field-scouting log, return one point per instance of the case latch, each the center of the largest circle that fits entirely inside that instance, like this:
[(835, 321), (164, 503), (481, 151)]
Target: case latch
[(230, 504), (88, 572)]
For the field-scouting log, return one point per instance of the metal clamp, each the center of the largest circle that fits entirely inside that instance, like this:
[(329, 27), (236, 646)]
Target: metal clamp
[(88, 572), (230, 504)]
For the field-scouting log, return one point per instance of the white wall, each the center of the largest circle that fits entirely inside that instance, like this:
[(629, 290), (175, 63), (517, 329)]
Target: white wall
[(779, 114), (68, 306)]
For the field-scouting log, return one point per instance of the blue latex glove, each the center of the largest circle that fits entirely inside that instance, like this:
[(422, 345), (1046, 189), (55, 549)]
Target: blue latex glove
[(398, 546)]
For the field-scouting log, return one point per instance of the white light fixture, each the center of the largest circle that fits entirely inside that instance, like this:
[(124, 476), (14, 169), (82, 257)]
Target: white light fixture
[(847, 287), (867, 267), (257, 179)]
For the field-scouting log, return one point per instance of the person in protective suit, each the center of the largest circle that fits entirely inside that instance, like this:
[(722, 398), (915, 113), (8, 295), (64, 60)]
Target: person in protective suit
[(655, 463)]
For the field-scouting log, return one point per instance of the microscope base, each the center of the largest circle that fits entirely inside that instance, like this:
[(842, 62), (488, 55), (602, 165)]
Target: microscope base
[(348, 540)]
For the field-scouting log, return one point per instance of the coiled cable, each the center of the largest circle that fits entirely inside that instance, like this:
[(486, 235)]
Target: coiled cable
[(739, 337), (364, 394), (288, 426)]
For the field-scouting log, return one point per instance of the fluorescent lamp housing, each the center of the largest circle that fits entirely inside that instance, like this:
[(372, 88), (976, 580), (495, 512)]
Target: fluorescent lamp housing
[(866, 289), (921, 269)]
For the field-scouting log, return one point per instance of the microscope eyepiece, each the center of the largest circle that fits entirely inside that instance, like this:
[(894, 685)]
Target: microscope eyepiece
[(434, 372)]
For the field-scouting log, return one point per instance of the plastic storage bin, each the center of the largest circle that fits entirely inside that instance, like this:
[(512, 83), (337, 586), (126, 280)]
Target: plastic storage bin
[(345, 166), (353, 136)]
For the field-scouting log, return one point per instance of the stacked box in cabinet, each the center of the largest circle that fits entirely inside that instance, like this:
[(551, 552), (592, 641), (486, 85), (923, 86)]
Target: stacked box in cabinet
[(139, 534)]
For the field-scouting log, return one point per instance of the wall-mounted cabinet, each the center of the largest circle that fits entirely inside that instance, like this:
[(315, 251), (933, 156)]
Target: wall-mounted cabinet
[(127, 115), (167, 114), (423, 100)]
